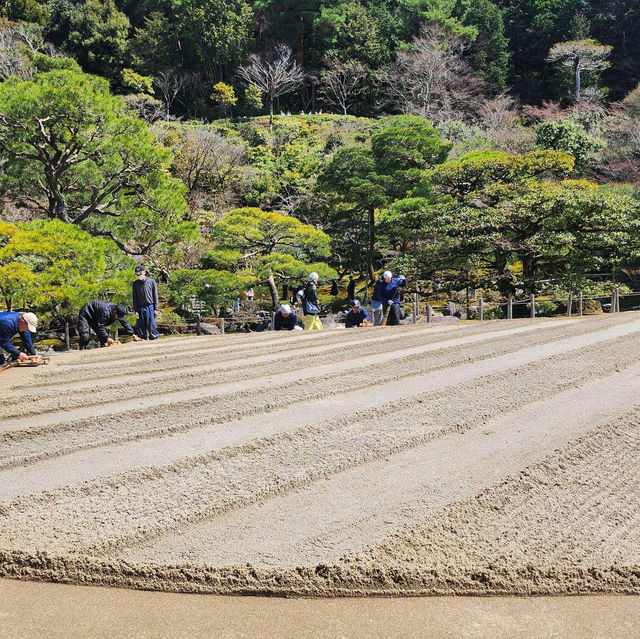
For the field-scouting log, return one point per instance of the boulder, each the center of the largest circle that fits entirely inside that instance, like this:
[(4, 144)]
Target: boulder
[(209, 329)]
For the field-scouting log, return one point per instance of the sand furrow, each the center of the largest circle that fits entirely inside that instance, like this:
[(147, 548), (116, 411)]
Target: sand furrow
[(202, 487), (94, 403), (32, 444), (192, 357), (135, 381)]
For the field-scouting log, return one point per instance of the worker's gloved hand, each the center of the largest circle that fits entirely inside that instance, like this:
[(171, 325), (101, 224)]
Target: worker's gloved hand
[(22, 357), (110, 342)]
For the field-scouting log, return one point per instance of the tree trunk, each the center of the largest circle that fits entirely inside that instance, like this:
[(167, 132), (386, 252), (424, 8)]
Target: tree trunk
[(270, 112), (273, 289), (372, 241)]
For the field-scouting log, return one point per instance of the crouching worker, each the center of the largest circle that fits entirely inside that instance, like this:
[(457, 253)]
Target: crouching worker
[(285, 319), (12, 324), (98, 315), (357, 316), (145, 304)]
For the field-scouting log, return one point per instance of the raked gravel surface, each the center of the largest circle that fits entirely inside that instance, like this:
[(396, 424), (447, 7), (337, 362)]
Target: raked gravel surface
[(480, 458)]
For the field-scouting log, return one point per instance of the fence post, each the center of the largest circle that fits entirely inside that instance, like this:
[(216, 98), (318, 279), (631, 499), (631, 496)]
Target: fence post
[(222, 326), (580, 303), (480, 308), (198, 326), (533, 305), (569, 304), (613, 300), (510, 308), (67, 339), (428, 313)]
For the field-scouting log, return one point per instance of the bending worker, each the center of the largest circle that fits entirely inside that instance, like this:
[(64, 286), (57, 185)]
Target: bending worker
[(11, 324), (97, 315), (145, 304), (285, 319), (357, 316), (387, 290)]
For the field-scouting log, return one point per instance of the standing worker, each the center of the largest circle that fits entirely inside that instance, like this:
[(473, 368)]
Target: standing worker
[(311, 320), (12, 323), (145, 304), (351, 288), (97, 315), (387, 291)]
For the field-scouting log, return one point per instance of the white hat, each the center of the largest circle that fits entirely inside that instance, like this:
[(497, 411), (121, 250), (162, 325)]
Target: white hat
[(31, 320), (285, 308), (313, 276), (387, 275), (355, 303)]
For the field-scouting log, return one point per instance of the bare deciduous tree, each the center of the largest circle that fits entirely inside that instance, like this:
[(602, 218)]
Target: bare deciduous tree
[(580, 55), (498, 112), (342, 83), (14, 50), (433, 79), (212, 167), (276, 74), (169, 83)]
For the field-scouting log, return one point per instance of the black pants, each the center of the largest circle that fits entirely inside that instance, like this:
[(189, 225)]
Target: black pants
[(394, 315), (84, 334)]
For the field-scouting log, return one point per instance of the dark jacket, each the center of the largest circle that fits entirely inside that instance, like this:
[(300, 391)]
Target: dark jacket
[(145, 293), (355, 319), (311, 296), (389, 293), (9, 328), (281, 323), (100, 314)]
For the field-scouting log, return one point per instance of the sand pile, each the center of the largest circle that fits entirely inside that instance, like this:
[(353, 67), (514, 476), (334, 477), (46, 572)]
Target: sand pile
[(479, 458)]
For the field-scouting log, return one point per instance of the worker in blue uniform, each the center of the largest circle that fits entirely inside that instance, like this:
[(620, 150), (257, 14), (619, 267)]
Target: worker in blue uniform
[(357, 316), (387, 291), (15, 323)]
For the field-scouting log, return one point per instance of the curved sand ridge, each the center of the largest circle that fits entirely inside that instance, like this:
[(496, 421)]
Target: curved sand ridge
[(494, 457)]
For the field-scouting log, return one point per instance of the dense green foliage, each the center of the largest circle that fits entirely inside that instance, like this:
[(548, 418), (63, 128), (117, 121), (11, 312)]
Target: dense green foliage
[(491, 143)]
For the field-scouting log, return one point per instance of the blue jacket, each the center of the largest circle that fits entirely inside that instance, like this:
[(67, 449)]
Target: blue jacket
[(355, 319), (9, 328), (281, 323), (389, 293)]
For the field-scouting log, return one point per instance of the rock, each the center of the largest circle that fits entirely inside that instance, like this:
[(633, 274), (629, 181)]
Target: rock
[(441, 319), (209, 329)]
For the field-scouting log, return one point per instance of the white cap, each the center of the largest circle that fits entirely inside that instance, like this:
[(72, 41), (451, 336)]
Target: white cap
[(355, 303), (285, 308), (313, 276), (387, 275), (31, 320)]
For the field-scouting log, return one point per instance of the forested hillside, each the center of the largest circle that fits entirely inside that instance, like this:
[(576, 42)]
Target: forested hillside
[(199, 43), (229, 144)]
